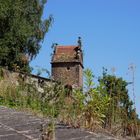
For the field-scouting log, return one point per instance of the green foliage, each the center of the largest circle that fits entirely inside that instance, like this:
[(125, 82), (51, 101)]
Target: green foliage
[(88, 76), (96, 102), (26, 95), (120, 111), (86, 109), (21, 32), (106, 105)]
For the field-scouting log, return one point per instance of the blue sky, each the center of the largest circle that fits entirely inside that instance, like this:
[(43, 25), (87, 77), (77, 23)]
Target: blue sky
[(110, 31)]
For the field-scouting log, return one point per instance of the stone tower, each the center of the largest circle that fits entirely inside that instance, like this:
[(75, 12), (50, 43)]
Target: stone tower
[(67, 65)]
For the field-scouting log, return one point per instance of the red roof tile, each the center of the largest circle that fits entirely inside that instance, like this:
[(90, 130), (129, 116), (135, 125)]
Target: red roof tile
[(64, 54), (65, 49)]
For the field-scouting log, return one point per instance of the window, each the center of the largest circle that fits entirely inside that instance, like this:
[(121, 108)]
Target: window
[(68, 68)]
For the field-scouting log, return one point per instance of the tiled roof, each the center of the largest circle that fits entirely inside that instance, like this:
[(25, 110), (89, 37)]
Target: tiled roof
[(65, 49), (65, 54)]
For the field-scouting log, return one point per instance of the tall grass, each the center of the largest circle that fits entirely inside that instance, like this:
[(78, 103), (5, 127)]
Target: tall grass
[(26, 95), (82, 108), (77, 109)]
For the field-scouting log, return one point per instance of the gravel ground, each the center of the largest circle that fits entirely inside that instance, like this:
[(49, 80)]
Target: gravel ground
[(18, 125)]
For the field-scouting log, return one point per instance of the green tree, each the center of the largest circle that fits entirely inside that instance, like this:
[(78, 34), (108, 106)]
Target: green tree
[(121, 109), (21, 31)]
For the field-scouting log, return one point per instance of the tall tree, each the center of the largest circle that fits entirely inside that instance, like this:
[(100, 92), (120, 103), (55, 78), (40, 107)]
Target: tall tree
[(21, 31), (121, 107)]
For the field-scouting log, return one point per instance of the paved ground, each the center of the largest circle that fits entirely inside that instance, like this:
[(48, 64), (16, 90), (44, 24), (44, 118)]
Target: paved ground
[(15, 125)]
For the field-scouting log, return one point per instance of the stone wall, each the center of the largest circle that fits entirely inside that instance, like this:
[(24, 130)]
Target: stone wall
[(68, 73), (15, 77)]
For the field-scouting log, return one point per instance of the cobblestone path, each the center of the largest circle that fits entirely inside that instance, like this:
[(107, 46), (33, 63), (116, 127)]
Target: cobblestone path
[(17, 125)]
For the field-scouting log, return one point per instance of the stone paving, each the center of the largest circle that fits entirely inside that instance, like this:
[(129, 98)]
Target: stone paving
[(17, 125)]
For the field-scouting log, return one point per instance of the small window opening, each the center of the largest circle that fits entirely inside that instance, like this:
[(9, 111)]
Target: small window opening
[(68, 68)]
